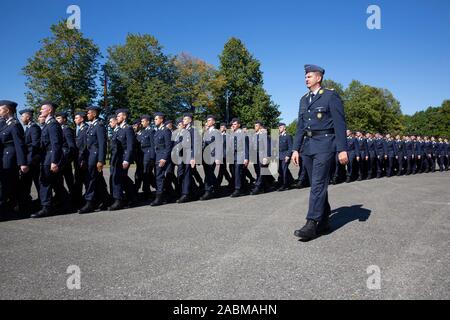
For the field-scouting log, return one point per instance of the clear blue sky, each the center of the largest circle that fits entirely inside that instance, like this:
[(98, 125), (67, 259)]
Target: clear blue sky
[(409, 55)]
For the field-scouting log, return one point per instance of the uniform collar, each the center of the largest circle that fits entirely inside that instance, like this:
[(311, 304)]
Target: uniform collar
[(315, 92), (48, 119), (9, 120)]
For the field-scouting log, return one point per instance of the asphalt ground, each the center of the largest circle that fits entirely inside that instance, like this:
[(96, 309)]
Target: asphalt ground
[(242, 248)]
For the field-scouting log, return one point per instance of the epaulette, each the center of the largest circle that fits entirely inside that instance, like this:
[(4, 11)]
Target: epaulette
[(12, 121)]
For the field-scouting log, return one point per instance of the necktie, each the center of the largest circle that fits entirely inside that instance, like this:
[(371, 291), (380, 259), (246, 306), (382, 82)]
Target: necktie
[(311, 97)]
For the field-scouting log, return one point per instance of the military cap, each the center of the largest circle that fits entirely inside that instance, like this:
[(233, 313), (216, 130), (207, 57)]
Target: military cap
[(189, 115), (179, 120), (281, 124), (113, 116), (159, 114), (10, 104), (137, 121), (313, 68), (29, 111), (168, 122), (50, 103), (223, 124), (236, 120), (62, 114), (210, 116), (259, 122), (146, 117)]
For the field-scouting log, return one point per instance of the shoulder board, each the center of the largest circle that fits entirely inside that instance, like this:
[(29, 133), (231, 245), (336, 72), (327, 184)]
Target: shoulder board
[(12, 121), (330, 89), (306, 94)]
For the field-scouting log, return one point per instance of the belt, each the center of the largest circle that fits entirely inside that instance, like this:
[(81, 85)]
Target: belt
[(318, 133)]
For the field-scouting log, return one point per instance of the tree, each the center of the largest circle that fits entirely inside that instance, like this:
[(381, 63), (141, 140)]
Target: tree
[(244, 86), (63, 70), (434, 121), (142, 77), (196, 85)]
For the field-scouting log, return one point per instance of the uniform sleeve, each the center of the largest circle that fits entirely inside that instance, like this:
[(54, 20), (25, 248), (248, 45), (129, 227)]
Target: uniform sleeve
[(299, 135), (168, 144), (102, 143), (357, 150), (247, 147), (35, 133), (290, 145), (56, 141), (131, 143), (340, 127), (19, 146)]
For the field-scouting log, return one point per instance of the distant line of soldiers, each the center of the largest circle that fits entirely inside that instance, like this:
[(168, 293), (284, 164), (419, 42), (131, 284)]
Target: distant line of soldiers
[(63, 162)]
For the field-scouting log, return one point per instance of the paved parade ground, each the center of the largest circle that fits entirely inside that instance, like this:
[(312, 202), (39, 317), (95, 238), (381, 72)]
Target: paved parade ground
[(242, 248)]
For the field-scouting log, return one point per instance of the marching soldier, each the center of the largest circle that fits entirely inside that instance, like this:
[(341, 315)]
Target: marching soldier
[(212, 157), (285, 178), (320, 134), (94, 160), (52, 160), (69, 152), (353, 154), (121, 159), (372, 152), (223, 171), (163, 150), (145, 138), (238, 159), (400, 155), (33, 144), (261, 147), (80, 163), (363, 155), (13, 152), (389, 154)]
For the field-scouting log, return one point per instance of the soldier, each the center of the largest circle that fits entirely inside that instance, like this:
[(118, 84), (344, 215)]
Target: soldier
[(353, 154), (261, 147), (13, 152), (239, 143), (419, 147), (223, 171), (212, 156), (69, 152), (372, 152), (94, 160), (410, 155), (441, 153), (320, 134), (33, 144), (400, 155), (52, 160), (145, 138), (363, 155), (163, 148), (428, 158), (447, 154), (380, 153), (80, 163), (389, 154), (284, 159), (434, 146)]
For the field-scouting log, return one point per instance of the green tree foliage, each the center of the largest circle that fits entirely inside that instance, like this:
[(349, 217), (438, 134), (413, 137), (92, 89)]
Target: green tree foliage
[(141, 77), (64, 70), (431, 122), (244, 85)]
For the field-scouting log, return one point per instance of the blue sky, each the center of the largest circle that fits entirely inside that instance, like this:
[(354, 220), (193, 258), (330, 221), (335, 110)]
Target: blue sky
[(409, 55)]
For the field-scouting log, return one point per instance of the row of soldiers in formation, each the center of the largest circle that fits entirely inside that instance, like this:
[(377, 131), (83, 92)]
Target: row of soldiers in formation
[(50, 154)]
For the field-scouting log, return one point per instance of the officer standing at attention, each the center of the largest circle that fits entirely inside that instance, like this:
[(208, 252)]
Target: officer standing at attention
[(389, 154), (95, 158), (13, 154), (285, 143), (399, 154), (380, 151), (212, 156), (372, 151), (353, 154), (33, 144), (321, 131), (363, 154), (69, 152), (163, 163), (80, 163), (51, 162), (145, 139), (123, 158)]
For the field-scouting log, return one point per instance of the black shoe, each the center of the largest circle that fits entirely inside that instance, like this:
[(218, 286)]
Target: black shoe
[(236, 194), (44, 212), (117, 205), (184, 198), (207, 196), (158, 201), (88, 208), (348, 180), (256, 191), (334, 181), (308, 232), (324, 227), (282, 188), (359, 178)]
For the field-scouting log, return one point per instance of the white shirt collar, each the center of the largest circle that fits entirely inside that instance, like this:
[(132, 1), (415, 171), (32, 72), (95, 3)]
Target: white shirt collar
[(316, 91)]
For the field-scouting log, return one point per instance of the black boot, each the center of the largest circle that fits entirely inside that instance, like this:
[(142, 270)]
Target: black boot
[(117, 205), (88, 208), (158, 201), (324, 227), (184, 198), (349, 179), (44, 212), (236, 194), (256, 191), (308, 232), (207, 196)]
